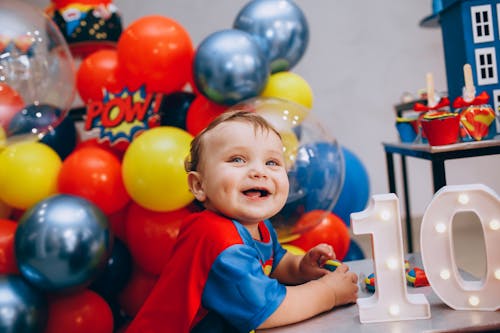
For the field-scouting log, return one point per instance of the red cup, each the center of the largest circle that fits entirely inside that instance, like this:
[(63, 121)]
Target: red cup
[(441, 130)]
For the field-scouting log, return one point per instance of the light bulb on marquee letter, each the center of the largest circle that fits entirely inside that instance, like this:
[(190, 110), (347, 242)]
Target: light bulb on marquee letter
[(391, 300), (437, 247)]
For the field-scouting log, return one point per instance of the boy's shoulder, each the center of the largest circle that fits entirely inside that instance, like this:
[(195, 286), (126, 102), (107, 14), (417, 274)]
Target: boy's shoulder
[(207, 226)]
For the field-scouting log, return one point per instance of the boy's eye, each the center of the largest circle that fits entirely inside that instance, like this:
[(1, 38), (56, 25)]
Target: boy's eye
[(237, 160), (272, 163)]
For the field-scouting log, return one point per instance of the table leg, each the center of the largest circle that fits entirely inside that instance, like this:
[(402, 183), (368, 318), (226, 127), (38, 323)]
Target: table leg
[(438, 174), (390, 172), (406, 193)]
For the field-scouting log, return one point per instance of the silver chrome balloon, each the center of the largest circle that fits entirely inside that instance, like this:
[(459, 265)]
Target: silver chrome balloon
[(281, 29), (23, 308), (229, 66), (62, 243)]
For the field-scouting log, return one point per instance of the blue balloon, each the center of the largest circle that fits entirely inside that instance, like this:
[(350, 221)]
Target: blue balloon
[(315, 181), (354, 253), (117, 272), (173, 109), (34, 119), (23, 308), (355, 192), (229, 67), (62, 243), (63, 138), (280, 28)]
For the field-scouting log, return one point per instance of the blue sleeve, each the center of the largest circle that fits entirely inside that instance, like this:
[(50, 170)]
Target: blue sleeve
[(278, 250), (239, 291)]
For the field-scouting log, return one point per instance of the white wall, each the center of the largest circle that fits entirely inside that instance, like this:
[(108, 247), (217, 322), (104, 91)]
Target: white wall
[(362, 56)]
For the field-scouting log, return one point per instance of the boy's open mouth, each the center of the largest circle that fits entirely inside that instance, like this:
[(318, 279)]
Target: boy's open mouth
[(256, 192)]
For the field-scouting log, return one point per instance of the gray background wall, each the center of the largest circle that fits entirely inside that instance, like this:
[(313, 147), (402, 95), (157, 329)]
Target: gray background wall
[(362, 57)]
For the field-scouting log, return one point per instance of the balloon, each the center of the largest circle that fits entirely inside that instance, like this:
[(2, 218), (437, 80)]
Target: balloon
[(156, 51), (174, 107), (280, 28), (117, 272), (117, 222), (151, 236), (95, 174), (99, 71), (355, 192), (8, 264), (289, 86), (80, 312), (33, 119), (354, 252), (201, 112), (5, 210), (62, 138), (323, 227), (28, 173), (229, 67), (62, 243), (313, 159), (11, 102), (133, 296), (3, 138), (39, 69), (153, 169), (24, 308)]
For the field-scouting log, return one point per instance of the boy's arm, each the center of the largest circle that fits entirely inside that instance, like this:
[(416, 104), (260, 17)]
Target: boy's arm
[(288, 270), (296, 269), (314, 297)]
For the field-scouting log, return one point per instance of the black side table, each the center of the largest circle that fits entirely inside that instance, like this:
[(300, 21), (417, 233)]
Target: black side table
[(437, 155)]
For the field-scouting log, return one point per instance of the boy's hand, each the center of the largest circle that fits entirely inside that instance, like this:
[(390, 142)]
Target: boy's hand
[(310, 266), (343, 284)]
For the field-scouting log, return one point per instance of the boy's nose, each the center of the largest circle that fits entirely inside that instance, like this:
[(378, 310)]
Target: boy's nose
[(257, 171)]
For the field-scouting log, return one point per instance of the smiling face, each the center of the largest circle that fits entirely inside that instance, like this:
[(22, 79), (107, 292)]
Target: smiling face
[(241, 173)]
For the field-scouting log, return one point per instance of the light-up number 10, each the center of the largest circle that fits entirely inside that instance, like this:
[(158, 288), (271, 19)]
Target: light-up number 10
[(382, 220)]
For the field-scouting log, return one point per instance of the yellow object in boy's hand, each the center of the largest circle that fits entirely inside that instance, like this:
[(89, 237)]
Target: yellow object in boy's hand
[(332, 265)]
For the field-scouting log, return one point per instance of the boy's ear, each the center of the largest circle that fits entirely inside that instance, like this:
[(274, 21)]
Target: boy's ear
[(195, 186)]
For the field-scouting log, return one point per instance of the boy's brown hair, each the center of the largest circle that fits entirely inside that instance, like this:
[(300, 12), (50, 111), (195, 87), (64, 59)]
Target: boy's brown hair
[(259, 123)]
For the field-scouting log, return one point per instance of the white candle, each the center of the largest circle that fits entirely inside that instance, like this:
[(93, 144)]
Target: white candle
[(436, 245), (391, 300)]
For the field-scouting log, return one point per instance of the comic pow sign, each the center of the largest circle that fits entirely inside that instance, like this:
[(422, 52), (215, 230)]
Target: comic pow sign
[(121, 117)]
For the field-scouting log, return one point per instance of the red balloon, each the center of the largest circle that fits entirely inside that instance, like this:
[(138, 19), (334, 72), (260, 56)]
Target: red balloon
[(105, 145), (151, 235), (8, 264), (133, 296), (98, 71), (81, 312), (158, 52), (201, 112), (323, 227), (94, 174), (10, 103), (117, 223)]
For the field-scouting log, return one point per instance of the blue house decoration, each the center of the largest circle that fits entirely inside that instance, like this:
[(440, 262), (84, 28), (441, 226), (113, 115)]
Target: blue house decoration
[(471, 34)]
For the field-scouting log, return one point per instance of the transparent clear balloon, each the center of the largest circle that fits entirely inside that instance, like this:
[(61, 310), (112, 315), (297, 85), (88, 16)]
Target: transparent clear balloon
[(36, 69), (313, 158)]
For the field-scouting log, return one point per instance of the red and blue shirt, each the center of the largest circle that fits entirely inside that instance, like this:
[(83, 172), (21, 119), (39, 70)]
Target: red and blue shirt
[(217, 279)]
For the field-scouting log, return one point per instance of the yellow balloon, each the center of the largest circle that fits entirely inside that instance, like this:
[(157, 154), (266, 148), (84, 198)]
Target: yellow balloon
[(153, 169), (289, 86), (28, 173), (290, 147), (293, 249), (3, 138)]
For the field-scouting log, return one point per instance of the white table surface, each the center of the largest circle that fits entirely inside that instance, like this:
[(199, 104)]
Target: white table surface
[(443, 318)]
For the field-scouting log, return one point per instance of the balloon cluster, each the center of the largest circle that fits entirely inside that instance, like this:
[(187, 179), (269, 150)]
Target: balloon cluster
[(88, 217)]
